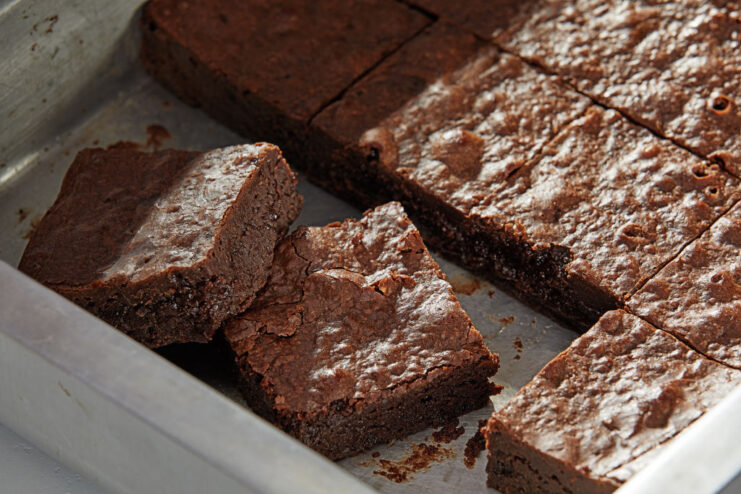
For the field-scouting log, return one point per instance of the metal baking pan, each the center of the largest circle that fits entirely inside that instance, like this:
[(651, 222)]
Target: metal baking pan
[(134, 422)]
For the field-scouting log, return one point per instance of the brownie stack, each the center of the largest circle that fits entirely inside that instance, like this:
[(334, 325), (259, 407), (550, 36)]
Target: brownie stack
[(584, 154)]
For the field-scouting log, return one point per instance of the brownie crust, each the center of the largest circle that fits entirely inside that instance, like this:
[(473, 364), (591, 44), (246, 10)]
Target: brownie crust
[(674, 67), (593, 415), (165, 245), (358, 339), (697, 296)]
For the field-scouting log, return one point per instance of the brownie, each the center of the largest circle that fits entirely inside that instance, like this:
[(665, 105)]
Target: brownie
[(603, 407), (488, 19), (165, 245), (508, 173), (265, 68), (358, 339), (697, 296), (674, 66)]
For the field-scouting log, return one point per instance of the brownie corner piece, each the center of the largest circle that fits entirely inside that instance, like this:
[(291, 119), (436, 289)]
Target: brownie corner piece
[(165, 245), (358, 339), (591, 417)]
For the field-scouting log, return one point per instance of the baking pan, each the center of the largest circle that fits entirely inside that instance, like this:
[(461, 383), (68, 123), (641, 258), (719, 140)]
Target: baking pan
[(134, 422)]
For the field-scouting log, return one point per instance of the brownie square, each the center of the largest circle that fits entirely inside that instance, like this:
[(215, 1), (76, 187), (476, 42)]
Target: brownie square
[(165, 245), (697, 296), (609, 203), (358, 339), (265, 68), (674, 66), (499, 173), (604, 406)]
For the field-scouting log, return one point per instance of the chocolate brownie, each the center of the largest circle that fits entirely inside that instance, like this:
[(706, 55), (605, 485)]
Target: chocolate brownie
[(265, 68), (596, 413), (358, 339), (697, 296), (674, 66), (165, 245), (490, 163), (487, 18)]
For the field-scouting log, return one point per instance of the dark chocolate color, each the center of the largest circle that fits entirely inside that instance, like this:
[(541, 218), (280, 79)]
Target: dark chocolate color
[(602, 409), (265, 68), (165, 245), (358, 339)]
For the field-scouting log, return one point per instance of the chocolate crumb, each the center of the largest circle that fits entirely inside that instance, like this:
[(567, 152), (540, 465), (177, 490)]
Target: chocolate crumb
[(507, 320), (156, 135), (376, 454), (420, 458), (465, 284), (518, 344), (475, 446), (448, 433), (22, 214)]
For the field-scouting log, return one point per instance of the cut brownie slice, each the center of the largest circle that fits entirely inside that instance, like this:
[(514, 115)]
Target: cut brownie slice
[(588, 421), (674, 66), (265, 68), (358, 339), (165, 245), (697, 296), (575, 220)]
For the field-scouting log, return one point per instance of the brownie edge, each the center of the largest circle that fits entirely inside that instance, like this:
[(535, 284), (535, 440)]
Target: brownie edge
[(358, 339), (165, 245), (602, 409)]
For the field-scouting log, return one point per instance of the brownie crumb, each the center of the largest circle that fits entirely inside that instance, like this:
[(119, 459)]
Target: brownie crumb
[(507, 320), (448, 433), (465, 284), (376, 454), (22, 214), (475, 446), (420, 458), (518, 344), (156, 135)]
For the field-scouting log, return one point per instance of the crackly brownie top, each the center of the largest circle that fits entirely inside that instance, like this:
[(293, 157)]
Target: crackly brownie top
[(697, 296), (620, 390), (674, 66), (470, 128), (622, 201), (352, 310), (296, 55), (132, 214)]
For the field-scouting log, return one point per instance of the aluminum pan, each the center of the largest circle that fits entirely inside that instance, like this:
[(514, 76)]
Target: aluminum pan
[(80, 86)]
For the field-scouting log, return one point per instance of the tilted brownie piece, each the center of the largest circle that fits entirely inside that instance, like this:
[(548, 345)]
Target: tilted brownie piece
[(594, 415), (697, 296), (575, 221), (165, 245), (674, 66), (265, 68), (358, 339)]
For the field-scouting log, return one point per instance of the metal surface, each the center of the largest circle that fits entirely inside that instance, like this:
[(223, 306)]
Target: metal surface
[(108, 406)]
